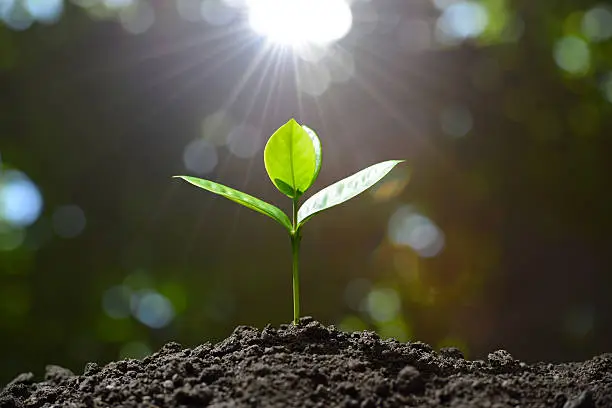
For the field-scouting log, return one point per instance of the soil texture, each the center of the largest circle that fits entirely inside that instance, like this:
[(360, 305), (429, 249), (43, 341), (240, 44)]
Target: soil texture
[(311, 365)]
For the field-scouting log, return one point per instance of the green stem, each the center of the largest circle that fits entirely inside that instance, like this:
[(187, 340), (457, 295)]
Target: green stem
[(295, 250)]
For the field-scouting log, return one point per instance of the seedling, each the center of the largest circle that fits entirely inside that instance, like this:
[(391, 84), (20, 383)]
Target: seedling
[(292, 157)]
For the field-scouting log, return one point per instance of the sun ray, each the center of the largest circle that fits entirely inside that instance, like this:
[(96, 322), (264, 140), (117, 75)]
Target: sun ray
[(248, 74), (226, 37), (296, 78), (191, 83), (131, 54), (272, 61), (274, 85)]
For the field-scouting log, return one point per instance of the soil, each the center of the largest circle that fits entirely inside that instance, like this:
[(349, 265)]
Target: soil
[(311, 365)]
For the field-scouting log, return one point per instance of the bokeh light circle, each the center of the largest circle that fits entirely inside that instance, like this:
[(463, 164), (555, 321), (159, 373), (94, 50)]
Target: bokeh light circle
[(20, 200), (200, 156), (216, 12), (572, 54), (244, 141), (456, 121), (137, 19), (597, 23), (47, 11), (409, 228), (383, 304), (152, 308), (69, 221), (15, 15), (462, 20)]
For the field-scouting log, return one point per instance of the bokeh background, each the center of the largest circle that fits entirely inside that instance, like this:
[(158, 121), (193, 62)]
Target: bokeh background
[(495, 234)]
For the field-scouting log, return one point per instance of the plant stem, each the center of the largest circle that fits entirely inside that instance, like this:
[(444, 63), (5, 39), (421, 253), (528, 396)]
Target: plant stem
[(295, 251)]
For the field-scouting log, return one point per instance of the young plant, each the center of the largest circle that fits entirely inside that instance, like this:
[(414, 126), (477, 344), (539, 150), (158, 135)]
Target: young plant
[(292, 158)]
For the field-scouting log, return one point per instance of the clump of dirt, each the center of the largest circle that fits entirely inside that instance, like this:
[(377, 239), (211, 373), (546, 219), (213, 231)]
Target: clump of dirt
[(311, 365)]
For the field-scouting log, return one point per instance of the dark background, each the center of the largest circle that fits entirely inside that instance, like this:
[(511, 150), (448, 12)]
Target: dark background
[(507, 136)]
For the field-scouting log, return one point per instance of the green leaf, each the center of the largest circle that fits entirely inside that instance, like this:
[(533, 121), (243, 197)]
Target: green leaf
[(316, 143), (293, 158), (344, 189), (241, 198)]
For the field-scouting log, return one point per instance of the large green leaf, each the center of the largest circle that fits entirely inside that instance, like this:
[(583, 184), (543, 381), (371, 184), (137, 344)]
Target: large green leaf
[(292, 158), (241, 198), (344, 189)]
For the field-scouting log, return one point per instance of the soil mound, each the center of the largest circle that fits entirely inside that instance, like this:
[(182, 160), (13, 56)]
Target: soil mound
[(312, 365)]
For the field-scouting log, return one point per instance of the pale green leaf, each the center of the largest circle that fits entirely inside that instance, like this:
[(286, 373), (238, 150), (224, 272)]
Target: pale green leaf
[(241, 198), (344, 189), (292, 157)]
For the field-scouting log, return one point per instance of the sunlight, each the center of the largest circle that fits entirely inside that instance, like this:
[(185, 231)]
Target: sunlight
[(300, 22)]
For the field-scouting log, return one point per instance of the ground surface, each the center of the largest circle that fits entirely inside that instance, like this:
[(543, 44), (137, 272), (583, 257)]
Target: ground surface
[(316, 366)]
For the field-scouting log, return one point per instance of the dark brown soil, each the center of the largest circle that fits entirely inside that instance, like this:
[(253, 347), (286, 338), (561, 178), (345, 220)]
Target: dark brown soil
[(316, 366)]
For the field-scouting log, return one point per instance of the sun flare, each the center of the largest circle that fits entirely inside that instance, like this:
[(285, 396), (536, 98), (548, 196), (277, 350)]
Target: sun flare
[(300, 22)]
